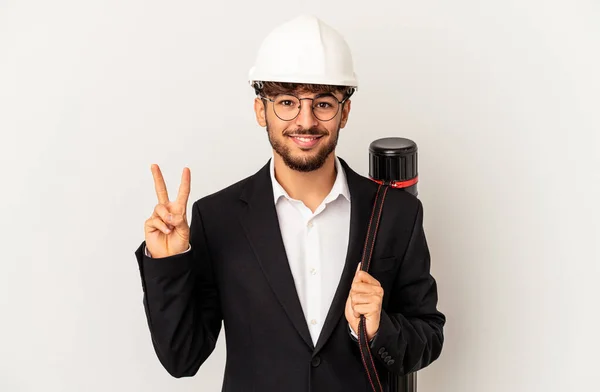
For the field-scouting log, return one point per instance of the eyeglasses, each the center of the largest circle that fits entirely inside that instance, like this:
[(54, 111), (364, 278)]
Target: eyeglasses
[(287, 106)]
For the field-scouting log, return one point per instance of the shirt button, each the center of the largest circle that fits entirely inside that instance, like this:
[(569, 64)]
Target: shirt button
[(313, 322), (309, 224), (313, 271)]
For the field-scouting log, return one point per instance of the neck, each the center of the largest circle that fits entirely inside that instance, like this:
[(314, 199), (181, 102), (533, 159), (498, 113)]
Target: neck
[(310, 187)]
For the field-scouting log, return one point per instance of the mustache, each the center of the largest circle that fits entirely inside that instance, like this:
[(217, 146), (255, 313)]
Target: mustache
[(306, 132)]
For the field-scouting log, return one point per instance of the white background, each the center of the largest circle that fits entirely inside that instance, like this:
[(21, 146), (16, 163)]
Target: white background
[(502, 98)]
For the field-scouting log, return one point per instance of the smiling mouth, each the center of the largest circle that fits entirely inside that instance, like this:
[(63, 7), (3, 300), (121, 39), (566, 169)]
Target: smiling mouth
[(305, 140)]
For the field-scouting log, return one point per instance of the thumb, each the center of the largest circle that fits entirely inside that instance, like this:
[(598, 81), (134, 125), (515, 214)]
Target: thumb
[(355, 279)]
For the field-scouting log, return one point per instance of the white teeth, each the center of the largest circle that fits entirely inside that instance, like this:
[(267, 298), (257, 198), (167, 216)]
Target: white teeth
[(305, 139)]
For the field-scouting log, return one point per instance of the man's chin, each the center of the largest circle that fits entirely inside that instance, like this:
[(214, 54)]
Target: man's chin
[(305, 161)]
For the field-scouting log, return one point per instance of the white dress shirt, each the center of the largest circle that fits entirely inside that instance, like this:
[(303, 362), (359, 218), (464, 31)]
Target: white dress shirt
[(315, 244)]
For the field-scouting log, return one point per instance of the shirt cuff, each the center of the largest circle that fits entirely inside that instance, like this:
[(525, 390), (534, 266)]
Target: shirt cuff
[(147, 253)]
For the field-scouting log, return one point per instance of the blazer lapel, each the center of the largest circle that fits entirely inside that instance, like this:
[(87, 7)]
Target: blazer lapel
[(261, 226), (362, 196)]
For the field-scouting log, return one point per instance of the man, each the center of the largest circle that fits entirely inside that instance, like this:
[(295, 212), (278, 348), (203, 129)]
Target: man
[(275, 256)]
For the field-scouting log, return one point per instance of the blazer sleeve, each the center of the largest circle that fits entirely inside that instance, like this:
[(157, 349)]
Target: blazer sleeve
[(181, 303), (410, 335)]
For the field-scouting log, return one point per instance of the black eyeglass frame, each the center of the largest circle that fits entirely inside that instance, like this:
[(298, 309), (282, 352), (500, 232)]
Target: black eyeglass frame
[(340, 104)]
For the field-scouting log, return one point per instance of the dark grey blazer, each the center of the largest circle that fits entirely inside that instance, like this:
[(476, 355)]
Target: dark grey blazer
[(237, 273)]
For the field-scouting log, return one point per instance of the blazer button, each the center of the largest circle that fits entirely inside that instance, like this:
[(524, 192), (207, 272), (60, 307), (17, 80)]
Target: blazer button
[(381, 350), (384, 354), (316, 361), (387, 359), (391, 362)]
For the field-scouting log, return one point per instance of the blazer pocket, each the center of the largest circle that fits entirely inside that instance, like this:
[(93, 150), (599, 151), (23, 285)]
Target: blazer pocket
[(383, 263)]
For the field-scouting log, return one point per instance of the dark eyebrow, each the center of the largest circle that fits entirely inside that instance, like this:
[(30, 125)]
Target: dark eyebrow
[(328, 94)]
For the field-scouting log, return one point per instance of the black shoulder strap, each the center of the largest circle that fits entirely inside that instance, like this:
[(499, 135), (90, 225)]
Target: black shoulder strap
[(363, 341)]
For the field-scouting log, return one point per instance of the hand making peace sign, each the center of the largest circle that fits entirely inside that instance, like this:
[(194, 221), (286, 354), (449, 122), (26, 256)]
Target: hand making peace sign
[(167, 231)]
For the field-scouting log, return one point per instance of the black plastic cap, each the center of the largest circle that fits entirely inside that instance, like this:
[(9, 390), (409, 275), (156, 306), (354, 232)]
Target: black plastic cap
[(393, 159)]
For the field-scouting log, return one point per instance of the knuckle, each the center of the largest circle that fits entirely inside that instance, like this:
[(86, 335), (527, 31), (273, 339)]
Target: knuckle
[(163, 212)]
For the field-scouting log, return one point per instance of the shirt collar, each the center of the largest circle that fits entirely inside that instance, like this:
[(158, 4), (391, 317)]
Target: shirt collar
[(340, 185)]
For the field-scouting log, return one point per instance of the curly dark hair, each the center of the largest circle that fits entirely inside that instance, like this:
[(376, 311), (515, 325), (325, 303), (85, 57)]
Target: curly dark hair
[(270, 89)]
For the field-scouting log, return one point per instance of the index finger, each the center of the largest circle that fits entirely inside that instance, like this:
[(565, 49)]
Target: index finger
[(184, 188), (159, 184)]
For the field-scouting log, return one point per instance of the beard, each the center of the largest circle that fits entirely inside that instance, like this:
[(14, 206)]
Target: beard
[(304, 163)]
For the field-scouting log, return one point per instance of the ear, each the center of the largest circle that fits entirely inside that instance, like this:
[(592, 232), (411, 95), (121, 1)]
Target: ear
[(345, 113), (259, 110)]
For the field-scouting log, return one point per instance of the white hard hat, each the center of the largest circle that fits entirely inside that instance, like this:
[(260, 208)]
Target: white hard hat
[(304, 50)]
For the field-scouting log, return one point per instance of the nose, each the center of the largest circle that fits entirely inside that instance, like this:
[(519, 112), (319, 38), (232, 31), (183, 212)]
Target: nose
[(306, 118)]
